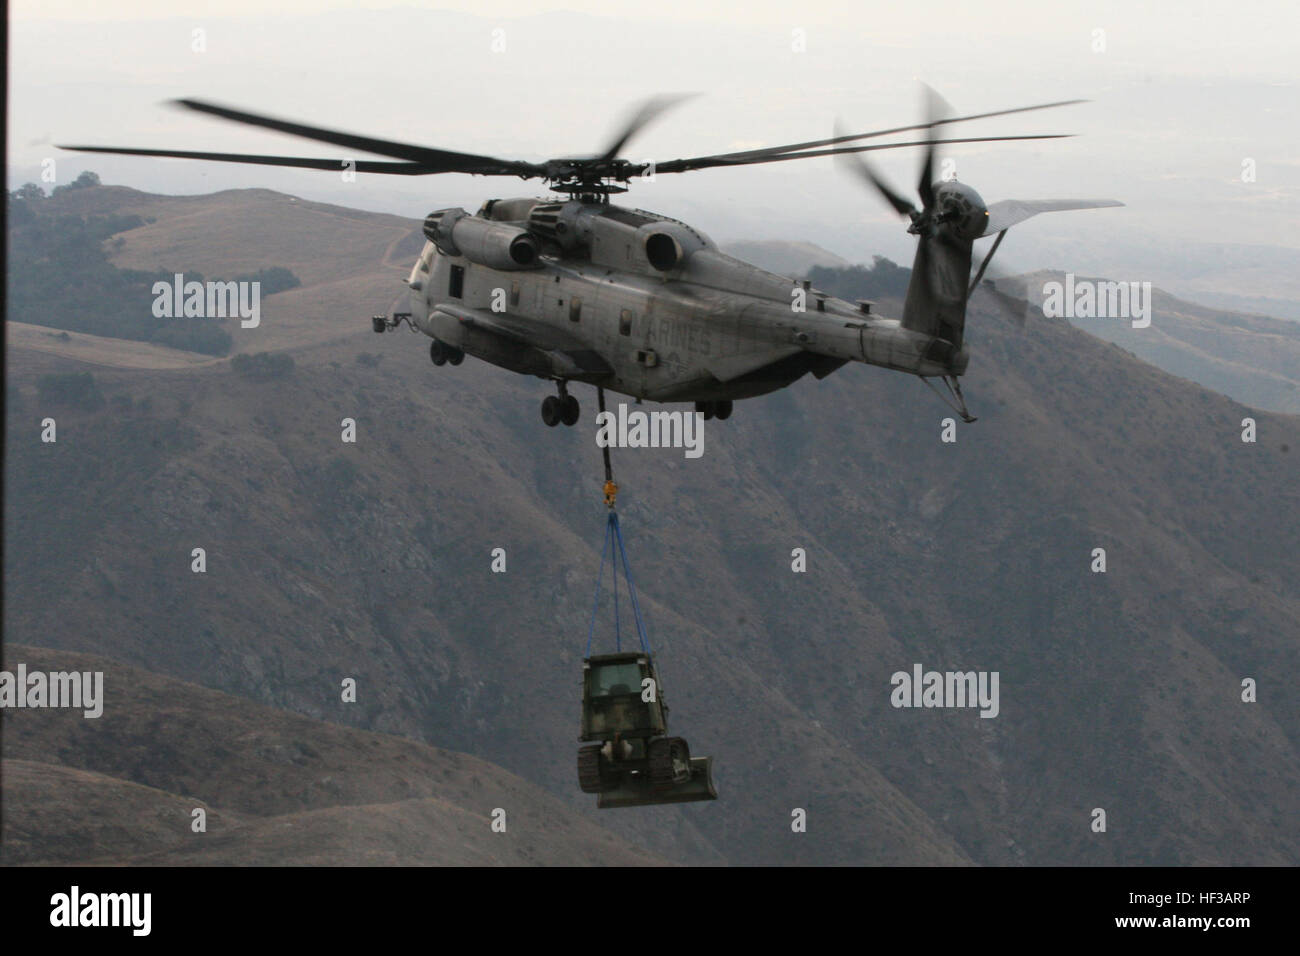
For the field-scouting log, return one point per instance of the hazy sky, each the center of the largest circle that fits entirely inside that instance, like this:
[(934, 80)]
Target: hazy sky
[(1182, 95)]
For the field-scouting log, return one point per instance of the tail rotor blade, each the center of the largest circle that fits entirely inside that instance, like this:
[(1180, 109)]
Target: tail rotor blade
[(937, 110), (855, 164)]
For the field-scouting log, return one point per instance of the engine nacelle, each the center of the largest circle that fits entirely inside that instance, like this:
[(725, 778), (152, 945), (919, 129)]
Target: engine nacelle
[(497, 245), (669, 244), (663, 251)]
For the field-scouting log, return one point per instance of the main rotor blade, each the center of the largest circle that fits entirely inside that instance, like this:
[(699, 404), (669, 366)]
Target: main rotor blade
[(435, 160), (649, 111), (837, 139), (710, 162), (361, 165), (855, 164)]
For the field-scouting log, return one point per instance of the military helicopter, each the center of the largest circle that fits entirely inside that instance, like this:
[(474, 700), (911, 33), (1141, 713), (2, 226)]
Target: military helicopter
[(573, 288)]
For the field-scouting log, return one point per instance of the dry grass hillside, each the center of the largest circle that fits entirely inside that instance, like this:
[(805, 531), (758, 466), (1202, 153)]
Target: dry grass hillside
[(277, 788), (351, 263)]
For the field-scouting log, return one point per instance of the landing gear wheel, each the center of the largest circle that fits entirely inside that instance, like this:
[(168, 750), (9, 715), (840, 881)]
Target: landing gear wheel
[(706, 408), (569, 410), (455, 356), (551, 411), (722, 410), (438, 352), (590, 777), (670, 763)]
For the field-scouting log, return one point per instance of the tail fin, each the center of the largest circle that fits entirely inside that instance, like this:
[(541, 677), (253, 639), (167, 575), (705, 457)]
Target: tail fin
[(936, 293), (940, 284)]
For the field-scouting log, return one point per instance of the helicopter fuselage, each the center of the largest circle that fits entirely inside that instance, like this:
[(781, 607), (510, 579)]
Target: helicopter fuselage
[(639, 304)]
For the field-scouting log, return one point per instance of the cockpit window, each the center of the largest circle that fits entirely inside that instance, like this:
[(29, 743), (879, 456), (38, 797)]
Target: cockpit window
[(422, 265)]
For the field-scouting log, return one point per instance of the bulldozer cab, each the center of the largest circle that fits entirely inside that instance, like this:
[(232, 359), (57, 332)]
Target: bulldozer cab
[(633, 762), (620, 697)]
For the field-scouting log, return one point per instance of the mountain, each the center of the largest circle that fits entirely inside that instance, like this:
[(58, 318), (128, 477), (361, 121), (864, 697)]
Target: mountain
[(1119, 690), (791, 258), (276, 788), (1252, 358)]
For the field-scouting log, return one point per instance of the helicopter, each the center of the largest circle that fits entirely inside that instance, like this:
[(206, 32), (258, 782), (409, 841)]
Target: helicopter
[(574, 288)]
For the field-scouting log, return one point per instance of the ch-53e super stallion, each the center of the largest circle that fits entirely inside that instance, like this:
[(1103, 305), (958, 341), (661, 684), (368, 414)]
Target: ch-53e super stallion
[(573, 288)]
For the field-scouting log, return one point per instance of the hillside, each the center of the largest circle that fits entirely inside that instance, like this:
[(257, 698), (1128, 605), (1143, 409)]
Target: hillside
[(277, 789), (350, 264), (373, 560), (1252, 358), (794, 259)]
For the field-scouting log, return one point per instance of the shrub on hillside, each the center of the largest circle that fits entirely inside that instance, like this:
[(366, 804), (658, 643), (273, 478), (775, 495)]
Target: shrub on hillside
[(70, 389), (262, 366)]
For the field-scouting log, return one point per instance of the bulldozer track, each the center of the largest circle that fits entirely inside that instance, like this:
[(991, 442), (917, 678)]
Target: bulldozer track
[(661, 762), (589, 779)]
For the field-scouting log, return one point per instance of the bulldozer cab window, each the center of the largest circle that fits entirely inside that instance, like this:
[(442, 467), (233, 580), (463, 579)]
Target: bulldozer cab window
[(609, 680)]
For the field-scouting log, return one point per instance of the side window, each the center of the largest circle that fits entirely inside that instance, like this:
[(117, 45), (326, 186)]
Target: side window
[(514, 293), (625, 322), (575, 309), (456, 285)]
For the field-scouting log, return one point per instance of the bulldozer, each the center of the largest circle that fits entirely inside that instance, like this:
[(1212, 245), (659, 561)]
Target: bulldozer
[(632, 761)]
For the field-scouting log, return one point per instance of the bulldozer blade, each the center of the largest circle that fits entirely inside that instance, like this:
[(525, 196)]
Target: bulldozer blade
[(636, 791)]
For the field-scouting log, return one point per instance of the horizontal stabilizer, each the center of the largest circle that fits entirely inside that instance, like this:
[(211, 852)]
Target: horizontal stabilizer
[(1008, 212)]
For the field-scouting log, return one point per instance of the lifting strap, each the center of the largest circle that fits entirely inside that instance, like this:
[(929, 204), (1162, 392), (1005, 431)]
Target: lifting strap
[(614, 536), (615, 554), (610, 489)]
